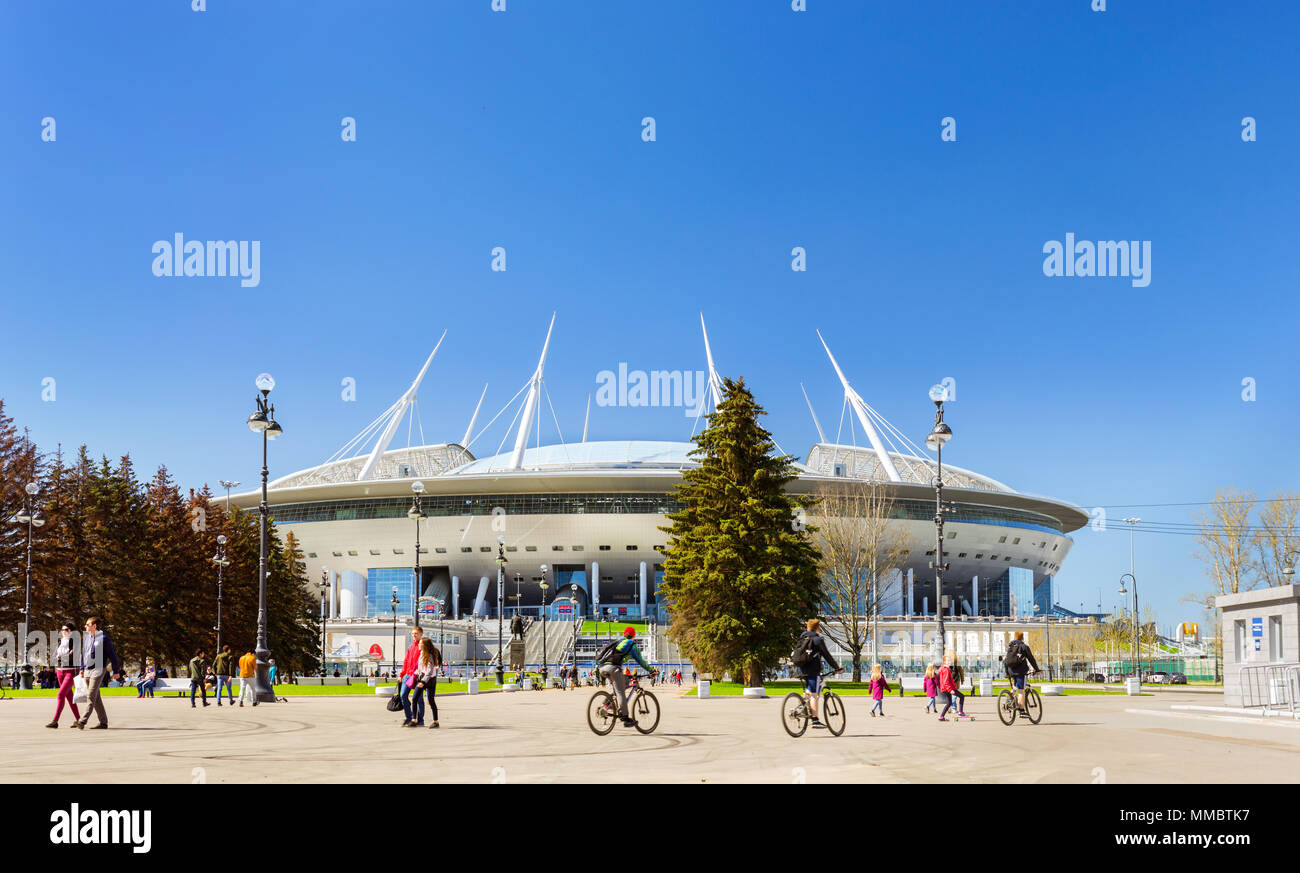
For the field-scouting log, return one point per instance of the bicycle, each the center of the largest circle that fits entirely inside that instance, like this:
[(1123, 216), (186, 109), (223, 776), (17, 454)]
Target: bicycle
[(1008, 709), (642, 708), (796, 714)]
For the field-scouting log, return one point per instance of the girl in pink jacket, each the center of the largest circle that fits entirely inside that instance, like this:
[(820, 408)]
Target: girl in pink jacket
[(931, 688), (878, 688)]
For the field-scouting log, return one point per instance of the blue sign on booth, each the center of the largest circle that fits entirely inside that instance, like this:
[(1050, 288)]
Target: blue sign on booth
[(1257, 626)]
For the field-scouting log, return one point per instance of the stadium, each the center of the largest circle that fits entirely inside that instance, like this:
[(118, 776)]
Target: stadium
[(584, 518)]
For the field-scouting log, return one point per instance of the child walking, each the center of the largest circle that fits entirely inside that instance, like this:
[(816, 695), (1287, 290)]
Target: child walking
[(931, 688), (949, 677), (879, 686)]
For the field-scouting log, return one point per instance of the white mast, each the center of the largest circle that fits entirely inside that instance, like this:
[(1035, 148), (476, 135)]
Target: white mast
[(473, 418), (715, 382), (821, 436), (530, 405), (587, 419), (398, 413), (860, 408)]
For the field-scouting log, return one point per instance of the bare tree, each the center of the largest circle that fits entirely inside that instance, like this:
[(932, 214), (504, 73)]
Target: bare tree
[(1225, 541), (1275, 536), (861, 553)]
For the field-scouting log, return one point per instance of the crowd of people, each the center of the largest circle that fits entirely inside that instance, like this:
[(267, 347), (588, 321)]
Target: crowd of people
[(79, 675)]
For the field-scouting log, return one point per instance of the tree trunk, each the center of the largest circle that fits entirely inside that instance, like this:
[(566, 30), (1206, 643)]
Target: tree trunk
[(754, 675), (857, 665)]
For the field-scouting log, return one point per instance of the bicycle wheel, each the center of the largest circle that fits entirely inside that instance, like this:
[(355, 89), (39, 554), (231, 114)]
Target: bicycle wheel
[(833, 715), (1033, 706), (645, 711), (1007, 706), (794, 714), (600, 713)]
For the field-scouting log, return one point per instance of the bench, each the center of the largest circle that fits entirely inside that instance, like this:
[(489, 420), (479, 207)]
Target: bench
[(181, 686)]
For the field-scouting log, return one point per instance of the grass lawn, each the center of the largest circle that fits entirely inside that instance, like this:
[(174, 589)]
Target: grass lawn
[(611, 628), (444, 687), (782, 687)]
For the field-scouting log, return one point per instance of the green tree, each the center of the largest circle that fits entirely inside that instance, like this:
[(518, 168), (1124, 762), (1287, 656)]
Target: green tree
[(740, 573)]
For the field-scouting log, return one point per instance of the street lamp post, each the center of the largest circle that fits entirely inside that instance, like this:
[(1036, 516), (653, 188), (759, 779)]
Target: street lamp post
[(935, 442), (1289, 569), (394, 603), (32, 517), (989, 646), (501, 569), (1137, 652), (577, 619), (222, 563), (415, 514), (263, 421), (228, 484), (544, 585), (324, 586)]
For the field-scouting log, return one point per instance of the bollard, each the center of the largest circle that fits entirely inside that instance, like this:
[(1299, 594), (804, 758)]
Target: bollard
[(703, 691)]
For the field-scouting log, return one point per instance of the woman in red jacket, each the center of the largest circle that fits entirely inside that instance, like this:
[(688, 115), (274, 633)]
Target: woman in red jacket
[(948, 686)]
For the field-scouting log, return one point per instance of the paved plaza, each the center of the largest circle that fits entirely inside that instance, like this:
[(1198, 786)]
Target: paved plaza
[(543, 737)]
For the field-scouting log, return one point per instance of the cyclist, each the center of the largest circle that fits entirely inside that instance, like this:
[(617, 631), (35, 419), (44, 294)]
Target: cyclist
[(611, 668), (1018, 660), (811, 651)]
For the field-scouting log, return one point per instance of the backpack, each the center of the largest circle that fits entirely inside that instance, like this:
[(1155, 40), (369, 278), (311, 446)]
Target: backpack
[(610, 654), (805, 651), (1015, 659)]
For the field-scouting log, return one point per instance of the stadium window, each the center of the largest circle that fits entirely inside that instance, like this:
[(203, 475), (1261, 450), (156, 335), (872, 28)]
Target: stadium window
[(442, 550), (576, 548), (485, 548), (337, 554), (352, 553), (931, 552), (397, 552), (311, 554), (977, 557), (962, 555), (512, 548), (424, 550), (557, 548), (1002, 539), (952, 535), (1008, 558), (374, 551), (631, 548), (604, 548), (466, 548), (530, 548), (1016, 541)]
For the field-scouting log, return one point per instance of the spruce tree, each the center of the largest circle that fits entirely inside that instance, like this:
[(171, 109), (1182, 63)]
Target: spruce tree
[(740, 574)]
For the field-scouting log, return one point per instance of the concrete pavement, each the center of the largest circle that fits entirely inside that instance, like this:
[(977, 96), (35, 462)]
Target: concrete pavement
[(543, 737)]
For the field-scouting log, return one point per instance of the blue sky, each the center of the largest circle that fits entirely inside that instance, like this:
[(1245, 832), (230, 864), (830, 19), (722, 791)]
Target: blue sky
[(774, 129)]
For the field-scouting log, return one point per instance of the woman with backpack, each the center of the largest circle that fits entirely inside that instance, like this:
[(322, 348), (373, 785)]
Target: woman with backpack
[(879, 685), (950, 684)]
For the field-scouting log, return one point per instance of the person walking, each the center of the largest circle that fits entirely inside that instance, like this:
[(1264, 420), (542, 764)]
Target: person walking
[(271, 671), (879, 685), (247, 670), (198, 673), (950, 684), (406, 679), (426, 682), (97, 656), (65, 658), (223, 665), (931, 683)]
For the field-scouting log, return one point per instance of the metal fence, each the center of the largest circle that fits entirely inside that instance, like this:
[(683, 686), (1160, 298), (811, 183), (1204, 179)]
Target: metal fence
[(1273, 687)]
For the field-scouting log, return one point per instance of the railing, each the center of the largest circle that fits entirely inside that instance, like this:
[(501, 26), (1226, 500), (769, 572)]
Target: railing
[(1272, 687)]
